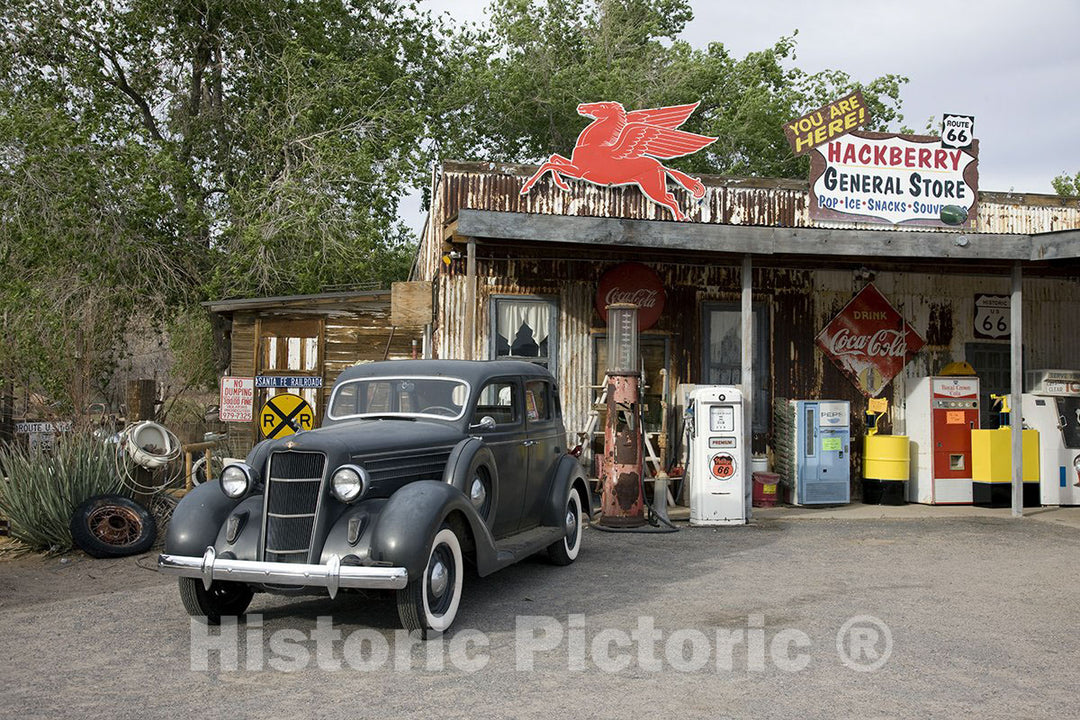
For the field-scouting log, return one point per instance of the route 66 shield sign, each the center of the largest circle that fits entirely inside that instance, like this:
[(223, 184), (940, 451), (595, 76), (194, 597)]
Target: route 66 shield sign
[(992, 317)]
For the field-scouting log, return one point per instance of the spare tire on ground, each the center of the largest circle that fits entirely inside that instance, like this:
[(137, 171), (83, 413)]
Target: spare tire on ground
[(110, 526)]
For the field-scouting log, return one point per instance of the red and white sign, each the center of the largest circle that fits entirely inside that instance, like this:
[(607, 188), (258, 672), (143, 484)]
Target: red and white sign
[(956, 387), (635, 283), (621, 148), (237, 399), (870, 341), (891, 178)]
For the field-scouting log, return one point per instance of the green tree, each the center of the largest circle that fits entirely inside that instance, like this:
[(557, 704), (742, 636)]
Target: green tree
[(157, 153), (544, 59), (1063, 184)]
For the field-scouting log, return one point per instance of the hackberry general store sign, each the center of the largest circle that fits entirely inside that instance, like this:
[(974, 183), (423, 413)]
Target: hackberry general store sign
[(869, 341), (894, 179)]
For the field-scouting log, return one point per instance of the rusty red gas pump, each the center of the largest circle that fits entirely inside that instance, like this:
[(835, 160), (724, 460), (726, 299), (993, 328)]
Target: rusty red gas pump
[(622, 502)]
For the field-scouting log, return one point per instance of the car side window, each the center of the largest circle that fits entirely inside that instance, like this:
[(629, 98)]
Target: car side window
[(538, 401), (499, 400)]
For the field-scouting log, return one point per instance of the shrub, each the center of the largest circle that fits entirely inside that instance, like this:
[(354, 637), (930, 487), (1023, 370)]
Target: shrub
[(39, 491)]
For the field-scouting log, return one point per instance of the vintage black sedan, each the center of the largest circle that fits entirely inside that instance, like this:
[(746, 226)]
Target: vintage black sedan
[(420, 467)]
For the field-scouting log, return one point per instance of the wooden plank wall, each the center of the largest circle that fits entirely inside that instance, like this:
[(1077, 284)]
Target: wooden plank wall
[(346, 339)]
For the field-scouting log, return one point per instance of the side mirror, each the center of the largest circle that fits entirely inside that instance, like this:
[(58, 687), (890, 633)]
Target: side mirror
[(486, 423)]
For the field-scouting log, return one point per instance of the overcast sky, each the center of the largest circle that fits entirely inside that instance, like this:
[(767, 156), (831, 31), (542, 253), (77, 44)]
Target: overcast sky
[(1015, 66)]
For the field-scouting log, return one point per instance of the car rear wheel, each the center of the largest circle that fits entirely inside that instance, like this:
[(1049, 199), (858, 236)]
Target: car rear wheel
[(429, 603), (565, 551), (223, 599)]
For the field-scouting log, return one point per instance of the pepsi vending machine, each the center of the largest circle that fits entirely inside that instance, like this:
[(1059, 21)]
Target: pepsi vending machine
[(814, 451)]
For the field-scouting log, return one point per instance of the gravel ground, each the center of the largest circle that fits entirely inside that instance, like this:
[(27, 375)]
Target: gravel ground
[(973, 616)]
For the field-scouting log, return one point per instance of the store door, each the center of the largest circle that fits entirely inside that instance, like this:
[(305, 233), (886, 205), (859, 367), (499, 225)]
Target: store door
[(991, 362), (722, 361)]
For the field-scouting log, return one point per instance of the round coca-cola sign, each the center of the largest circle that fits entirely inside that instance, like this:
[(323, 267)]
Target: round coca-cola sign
[(635, 283)]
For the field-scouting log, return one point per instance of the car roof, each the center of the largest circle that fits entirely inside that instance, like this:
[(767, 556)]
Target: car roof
[(472, 371)]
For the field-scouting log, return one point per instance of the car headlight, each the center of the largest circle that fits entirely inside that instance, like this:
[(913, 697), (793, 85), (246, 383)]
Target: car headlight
[(236, 480), (349, 482), (1076, 463)]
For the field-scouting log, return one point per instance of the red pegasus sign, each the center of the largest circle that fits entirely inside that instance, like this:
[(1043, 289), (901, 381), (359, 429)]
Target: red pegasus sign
[(620, 148)]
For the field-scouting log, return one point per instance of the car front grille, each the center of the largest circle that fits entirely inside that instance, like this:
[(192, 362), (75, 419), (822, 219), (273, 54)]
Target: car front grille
[(293, 488)]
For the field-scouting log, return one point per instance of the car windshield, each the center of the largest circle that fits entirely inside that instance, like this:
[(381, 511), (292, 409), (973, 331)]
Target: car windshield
[(400, 397)]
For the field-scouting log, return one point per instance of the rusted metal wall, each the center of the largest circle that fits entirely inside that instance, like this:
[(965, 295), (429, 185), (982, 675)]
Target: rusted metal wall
[(800, 301)]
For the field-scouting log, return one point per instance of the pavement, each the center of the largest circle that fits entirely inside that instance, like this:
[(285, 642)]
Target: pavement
[(1068, 516), (854, 612)]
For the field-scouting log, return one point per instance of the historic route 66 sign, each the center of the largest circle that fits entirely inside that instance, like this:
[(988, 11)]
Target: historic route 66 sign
[(992, 317), (957, 131)]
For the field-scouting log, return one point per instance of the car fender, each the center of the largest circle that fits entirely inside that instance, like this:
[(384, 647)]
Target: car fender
[(466, 456), (568, 474), (197, 520), (402, 533)]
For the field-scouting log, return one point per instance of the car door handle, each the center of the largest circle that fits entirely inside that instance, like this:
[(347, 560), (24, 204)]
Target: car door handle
[(528, 443)]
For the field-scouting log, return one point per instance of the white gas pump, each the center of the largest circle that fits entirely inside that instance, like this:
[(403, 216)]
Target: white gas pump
[(718, 458), (1052, 406)]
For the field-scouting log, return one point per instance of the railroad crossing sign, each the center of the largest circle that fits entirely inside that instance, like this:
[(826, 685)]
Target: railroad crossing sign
[(285, 414)]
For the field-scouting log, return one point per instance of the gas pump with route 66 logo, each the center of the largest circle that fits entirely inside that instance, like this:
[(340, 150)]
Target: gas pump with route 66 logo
[(718, 470)]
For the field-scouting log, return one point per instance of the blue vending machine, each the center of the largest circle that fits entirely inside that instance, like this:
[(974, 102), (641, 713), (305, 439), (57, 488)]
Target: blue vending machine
[(822, 463)]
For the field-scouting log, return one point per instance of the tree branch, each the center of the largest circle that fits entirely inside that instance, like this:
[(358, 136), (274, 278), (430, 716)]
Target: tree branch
[(118, 79)]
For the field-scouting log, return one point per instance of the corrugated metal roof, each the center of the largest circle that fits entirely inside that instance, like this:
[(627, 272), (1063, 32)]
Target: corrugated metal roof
[(736, 201)]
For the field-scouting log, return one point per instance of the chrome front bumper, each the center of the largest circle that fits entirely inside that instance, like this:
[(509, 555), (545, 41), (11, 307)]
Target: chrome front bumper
[(332, 575)]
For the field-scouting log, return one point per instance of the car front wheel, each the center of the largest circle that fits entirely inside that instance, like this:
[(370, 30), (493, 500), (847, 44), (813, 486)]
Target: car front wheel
[(223, 599), (430, 603), (565, 551)]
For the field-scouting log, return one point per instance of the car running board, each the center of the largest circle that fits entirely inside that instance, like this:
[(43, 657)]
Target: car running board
[(518, 547)]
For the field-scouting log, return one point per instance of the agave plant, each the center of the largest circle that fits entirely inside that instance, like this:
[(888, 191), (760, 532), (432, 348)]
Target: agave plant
[(39, 491)]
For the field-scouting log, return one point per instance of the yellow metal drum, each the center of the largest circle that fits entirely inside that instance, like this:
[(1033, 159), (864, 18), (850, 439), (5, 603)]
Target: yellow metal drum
[(886, 457)]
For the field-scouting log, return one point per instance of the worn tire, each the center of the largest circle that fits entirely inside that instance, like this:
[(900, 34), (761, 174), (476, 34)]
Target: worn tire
[(110, 526), (565, 551), (429, 604), (223, 599)]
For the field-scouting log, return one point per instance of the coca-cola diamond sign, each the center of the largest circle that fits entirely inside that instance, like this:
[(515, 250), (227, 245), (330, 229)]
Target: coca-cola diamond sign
[(632, 282), (870, 341)]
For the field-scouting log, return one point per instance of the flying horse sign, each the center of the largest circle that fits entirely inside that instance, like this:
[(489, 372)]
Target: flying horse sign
[(625, 148)]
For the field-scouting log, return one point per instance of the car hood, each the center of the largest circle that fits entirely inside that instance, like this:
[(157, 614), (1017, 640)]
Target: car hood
[(362, 437)]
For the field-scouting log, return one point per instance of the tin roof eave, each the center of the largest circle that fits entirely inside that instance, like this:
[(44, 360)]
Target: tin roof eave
[(759, 240)]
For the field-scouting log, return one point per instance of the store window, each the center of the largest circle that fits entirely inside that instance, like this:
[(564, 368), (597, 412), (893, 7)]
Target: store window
[(655, 355), (722, 362), (524, 329), (290, 347)]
